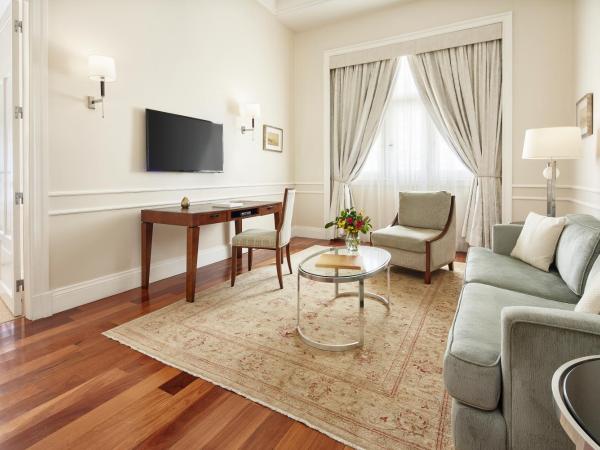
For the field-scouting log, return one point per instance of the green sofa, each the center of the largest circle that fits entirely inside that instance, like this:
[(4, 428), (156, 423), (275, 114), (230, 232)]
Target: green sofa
[(514, 326)]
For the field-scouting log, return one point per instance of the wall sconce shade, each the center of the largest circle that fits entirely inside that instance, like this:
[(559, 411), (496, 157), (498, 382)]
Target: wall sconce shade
[(102, 69), (250, 111)]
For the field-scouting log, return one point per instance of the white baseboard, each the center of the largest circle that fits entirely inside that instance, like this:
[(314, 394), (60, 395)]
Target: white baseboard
[(309, 232), (78, 294), (91, 290), (40, 306)]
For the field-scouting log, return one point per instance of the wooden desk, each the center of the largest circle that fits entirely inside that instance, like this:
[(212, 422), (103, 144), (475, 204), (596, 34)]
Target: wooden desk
[(193, 218)]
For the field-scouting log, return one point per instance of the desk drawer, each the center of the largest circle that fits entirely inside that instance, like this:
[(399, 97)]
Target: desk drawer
[(268, 209), (214, 217)]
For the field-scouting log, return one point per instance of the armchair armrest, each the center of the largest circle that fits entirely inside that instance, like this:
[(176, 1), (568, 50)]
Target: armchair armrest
[(536, 342), (504, 238)]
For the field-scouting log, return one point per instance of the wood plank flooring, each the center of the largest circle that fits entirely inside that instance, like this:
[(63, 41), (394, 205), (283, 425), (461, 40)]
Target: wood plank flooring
[(64, 385)]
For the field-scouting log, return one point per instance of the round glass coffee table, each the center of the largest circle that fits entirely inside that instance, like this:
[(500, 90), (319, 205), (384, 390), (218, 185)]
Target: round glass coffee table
[(374, 261)]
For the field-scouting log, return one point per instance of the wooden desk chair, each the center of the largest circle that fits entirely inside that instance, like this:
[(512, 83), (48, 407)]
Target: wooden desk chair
[(277, 239)]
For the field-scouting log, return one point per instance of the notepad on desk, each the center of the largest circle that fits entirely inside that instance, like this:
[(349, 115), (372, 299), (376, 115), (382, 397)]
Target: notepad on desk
[(339, 261), (227, 204)]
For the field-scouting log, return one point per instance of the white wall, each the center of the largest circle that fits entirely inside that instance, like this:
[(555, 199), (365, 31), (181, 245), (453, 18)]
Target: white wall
[(587, 79), (542, 83), (192, 57)]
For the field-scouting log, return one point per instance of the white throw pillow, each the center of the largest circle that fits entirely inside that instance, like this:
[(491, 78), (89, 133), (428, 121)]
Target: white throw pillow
[(590, 301), (537, 242)]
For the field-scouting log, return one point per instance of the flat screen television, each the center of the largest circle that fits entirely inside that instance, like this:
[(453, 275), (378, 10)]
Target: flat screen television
[(177, 143)]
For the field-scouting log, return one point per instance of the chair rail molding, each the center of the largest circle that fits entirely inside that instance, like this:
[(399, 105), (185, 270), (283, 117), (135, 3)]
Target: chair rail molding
[(587, 197), (135, 190), (560, 186), (98, 200)]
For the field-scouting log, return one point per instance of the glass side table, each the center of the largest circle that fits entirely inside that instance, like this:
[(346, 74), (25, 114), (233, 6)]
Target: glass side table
[(576, 395), (375, 260)]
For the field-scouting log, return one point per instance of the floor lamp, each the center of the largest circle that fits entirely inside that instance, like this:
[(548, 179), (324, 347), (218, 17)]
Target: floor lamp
[(552, 144)]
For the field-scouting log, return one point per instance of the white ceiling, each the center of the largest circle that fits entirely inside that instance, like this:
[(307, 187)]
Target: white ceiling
[(300, 15)]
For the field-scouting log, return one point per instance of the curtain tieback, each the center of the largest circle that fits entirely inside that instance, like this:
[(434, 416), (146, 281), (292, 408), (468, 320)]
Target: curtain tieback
[(339, 180), (488, 176)]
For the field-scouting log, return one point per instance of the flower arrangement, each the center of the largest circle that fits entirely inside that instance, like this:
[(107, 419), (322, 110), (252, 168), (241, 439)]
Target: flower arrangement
[(351, 221)]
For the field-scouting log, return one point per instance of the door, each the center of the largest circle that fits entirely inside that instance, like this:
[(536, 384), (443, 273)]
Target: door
[(11, 139)]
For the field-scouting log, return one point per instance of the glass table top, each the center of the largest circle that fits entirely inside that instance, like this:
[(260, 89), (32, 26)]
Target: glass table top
[(583, 396), (373, 260)]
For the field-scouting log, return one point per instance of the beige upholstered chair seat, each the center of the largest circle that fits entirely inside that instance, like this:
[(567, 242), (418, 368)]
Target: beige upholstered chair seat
[(277, 239), (402, 237), (256, 238)]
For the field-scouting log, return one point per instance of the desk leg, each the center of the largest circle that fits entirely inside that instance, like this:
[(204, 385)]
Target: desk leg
[(193, 233), (146, 252), (238, 230), (277, 217)]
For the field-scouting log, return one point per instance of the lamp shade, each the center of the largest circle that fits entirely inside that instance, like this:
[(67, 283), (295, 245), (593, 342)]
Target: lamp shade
[(552, 143), (102, 68), (250, 110)]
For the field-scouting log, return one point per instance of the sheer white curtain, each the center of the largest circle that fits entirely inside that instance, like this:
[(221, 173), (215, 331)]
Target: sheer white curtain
[(408, 154)]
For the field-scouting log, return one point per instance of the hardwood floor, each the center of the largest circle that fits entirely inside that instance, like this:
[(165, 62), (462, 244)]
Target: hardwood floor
[(64, 385)]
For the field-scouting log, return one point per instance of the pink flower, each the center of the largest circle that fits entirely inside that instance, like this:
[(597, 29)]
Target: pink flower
[(349, 220)]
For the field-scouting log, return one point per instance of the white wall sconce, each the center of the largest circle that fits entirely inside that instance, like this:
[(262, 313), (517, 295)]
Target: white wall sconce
[(250, 112), (102, 69)]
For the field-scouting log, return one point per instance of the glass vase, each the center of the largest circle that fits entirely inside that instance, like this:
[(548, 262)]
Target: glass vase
[(352, 242)]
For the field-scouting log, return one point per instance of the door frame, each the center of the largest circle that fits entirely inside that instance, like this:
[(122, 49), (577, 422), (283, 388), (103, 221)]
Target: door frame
[(37, 302)]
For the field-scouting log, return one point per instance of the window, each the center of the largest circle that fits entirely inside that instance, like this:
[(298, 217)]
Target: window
[(409, 154)]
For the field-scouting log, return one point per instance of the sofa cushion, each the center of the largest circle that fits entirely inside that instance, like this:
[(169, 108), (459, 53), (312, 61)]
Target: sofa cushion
[(578, 248), (537, 241), (424, 209), (487, 267), (595, 270), (590, 300), (472, 372), (406, 238)]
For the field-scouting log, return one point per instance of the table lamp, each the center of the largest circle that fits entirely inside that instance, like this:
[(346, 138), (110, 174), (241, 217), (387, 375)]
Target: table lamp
[(552, 144)]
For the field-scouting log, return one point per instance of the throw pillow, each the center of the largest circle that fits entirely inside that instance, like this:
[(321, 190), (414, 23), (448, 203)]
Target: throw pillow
[(537, 242), (590, 302)]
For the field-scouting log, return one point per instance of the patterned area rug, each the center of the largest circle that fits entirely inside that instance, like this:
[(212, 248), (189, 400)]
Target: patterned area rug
[(387, 395)]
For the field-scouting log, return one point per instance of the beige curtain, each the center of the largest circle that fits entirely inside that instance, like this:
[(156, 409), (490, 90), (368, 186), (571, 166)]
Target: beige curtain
[(359, 95), (462, 89)]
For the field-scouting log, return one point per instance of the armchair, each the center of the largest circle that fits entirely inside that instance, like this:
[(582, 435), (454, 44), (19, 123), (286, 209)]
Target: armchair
[(423, 234)]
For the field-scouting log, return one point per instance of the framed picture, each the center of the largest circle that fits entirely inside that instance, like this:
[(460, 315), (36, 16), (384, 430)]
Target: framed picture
[(584, 115), (272, 138)]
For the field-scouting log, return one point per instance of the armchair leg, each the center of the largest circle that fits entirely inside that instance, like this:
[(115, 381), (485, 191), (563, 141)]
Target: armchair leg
[(233, 264), (451, 266), (249, 259), (278, 258), (427, 262)]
